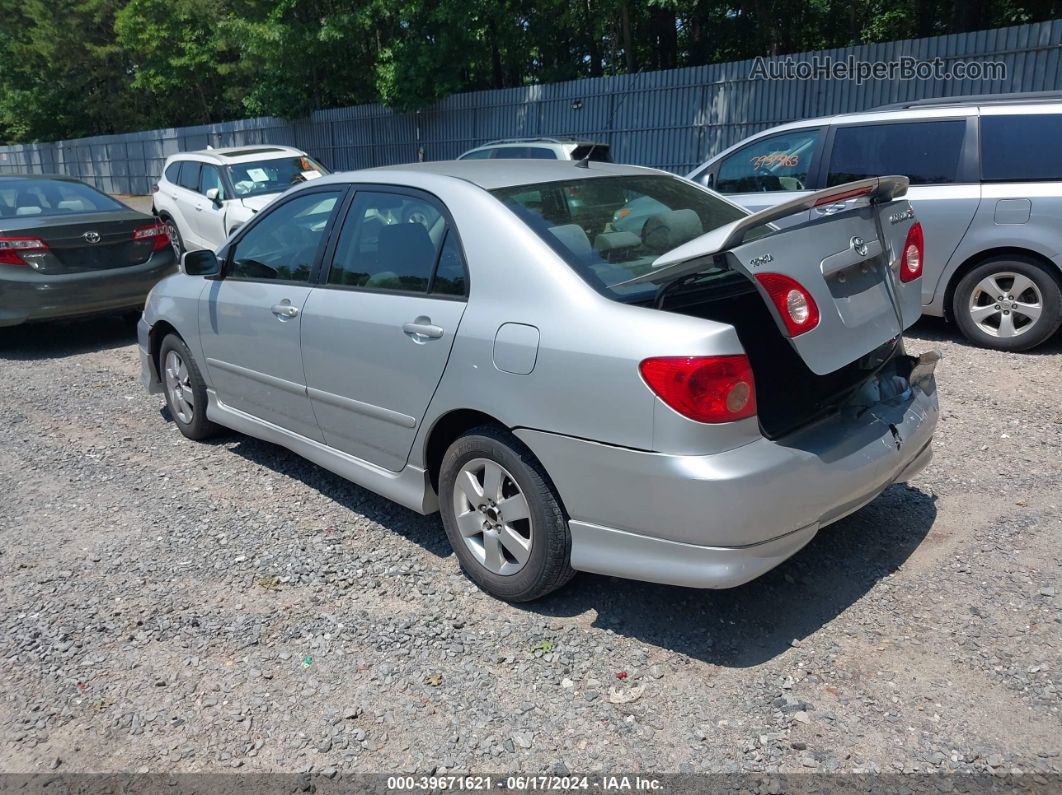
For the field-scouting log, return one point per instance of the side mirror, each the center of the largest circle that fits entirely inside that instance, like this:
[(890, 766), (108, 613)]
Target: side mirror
[(214, 194), (200, 263)]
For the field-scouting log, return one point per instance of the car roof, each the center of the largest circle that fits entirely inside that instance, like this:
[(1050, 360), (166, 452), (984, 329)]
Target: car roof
[(501, 173), (239, 154)]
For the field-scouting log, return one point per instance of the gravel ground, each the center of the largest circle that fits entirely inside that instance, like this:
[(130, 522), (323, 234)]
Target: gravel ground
[(172, 606)]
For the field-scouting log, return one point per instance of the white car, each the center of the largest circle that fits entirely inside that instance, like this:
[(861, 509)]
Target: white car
[(203, 196)]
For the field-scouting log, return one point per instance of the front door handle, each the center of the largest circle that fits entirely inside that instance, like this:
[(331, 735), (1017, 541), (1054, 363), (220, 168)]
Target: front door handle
[(284, 309), (422, 329)]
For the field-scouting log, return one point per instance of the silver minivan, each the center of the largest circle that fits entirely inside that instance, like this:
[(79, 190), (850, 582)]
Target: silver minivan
[(986, 185)]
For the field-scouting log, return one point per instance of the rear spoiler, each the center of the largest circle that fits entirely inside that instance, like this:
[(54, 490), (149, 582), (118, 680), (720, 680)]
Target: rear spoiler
[(689, 257)]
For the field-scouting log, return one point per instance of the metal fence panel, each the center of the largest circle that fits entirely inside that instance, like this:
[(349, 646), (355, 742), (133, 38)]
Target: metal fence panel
[(673, 119)]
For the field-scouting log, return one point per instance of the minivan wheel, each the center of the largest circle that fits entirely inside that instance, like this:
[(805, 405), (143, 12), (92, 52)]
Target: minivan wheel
[(185, 389), (1009, 303), (503, 517)]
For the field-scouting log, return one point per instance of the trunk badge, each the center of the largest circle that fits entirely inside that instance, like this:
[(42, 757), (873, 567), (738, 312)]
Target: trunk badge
[(755, 262), (859, 246), (91, 237)]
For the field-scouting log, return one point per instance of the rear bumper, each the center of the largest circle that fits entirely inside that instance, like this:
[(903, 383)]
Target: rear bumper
[(720, 520), (26, 295)]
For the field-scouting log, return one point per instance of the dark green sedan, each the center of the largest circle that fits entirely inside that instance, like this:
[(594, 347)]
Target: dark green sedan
[(67, 250)]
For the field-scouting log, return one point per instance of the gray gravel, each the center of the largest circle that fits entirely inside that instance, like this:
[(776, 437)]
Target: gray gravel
[(172, 606)]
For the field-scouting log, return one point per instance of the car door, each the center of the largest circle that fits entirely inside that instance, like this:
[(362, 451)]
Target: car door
[(208, 217), (938, 156), (769, 170), (185, 196), (377, 333), (250, 319)]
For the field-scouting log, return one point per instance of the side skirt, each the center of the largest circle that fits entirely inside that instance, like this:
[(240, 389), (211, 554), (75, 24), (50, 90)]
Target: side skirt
[(410, 488)]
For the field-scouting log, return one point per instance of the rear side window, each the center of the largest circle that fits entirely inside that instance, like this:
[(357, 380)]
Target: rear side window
[(282, 245), (392, 241), (1021, 148), (599, 153), (779, 162), (478, 154), (926, 152), (189, 177), (523, 153), (173, 171)]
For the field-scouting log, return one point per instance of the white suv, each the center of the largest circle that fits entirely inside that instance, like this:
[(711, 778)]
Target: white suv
[(203, 196)]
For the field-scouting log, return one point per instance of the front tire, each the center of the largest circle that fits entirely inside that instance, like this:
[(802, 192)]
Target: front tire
[(1009, 303), (503, 517), (185, 389)]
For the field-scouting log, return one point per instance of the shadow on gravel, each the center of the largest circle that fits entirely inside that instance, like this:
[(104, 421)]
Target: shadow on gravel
[(61, 338), (936, 329), (749, 625), (426, 531)]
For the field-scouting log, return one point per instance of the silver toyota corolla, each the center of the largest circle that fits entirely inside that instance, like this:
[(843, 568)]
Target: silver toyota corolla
[(604, 368)]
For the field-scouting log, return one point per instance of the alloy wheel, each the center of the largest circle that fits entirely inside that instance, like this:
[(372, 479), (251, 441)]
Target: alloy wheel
[(493, 516), (1006, 304), (179, 387), (175, 238)]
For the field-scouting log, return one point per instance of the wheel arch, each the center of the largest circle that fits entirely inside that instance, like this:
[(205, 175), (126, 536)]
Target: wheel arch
[(980, 257), (443, 433), (159, 331)]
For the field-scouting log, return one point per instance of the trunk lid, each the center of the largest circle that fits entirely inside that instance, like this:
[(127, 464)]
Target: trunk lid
[(847, 262), (89, 241)]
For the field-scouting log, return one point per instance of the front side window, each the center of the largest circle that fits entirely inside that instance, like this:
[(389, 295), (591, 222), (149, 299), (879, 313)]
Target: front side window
[(926, 152), (1021, 148), (42, 197), (610, 229), (777, 163), (210, 177), (282, 245), (523, 153), (392, 241), (477, 154), (273, 176)]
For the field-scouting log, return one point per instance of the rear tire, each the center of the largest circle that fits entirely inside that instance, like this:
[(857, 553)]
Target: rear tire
[(1009, 303), (185, 389), (503, 517), (176, 241)]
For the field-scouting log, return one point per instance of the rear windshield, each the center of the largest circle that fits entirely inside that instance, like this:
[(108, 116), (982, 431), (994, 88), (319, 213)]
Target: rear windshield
[(274, 175), (610, 229), (45, 197)]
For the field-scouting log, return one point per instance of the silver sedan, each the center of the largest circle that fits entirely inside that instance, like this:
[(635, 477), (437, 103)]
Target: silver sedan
[(583, 367)]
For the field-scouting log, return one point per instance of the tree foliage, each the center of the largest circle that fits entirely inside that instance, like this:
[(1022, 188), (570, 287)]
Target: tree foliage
[(71, 68)]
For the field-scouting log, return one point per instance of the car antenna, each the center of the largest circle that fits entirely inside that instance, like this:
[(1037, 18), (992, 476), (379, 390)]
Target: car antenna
[(585, 161)]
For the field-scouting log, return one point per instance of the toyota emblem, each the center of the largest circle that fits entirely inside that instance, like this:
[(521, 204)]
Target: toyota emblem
[(91, 237)]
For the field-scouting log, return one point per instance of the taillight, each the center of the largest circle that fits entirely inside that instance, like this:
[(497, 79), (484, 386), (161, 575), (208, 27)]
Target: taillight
[(798, 309), (703, 388), (156, 232), (914, 249), (12, 248)]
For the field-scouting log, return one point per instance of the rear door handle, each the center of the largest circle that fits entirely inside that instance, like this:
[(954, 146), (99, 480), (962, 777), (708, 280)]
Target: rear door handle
[(421, 329), (283, 310)]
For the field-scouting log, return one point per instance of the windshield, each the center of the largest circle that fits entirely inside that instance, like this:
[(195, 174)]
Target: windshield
[(273, 176), (610, 229), (46, 197)]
